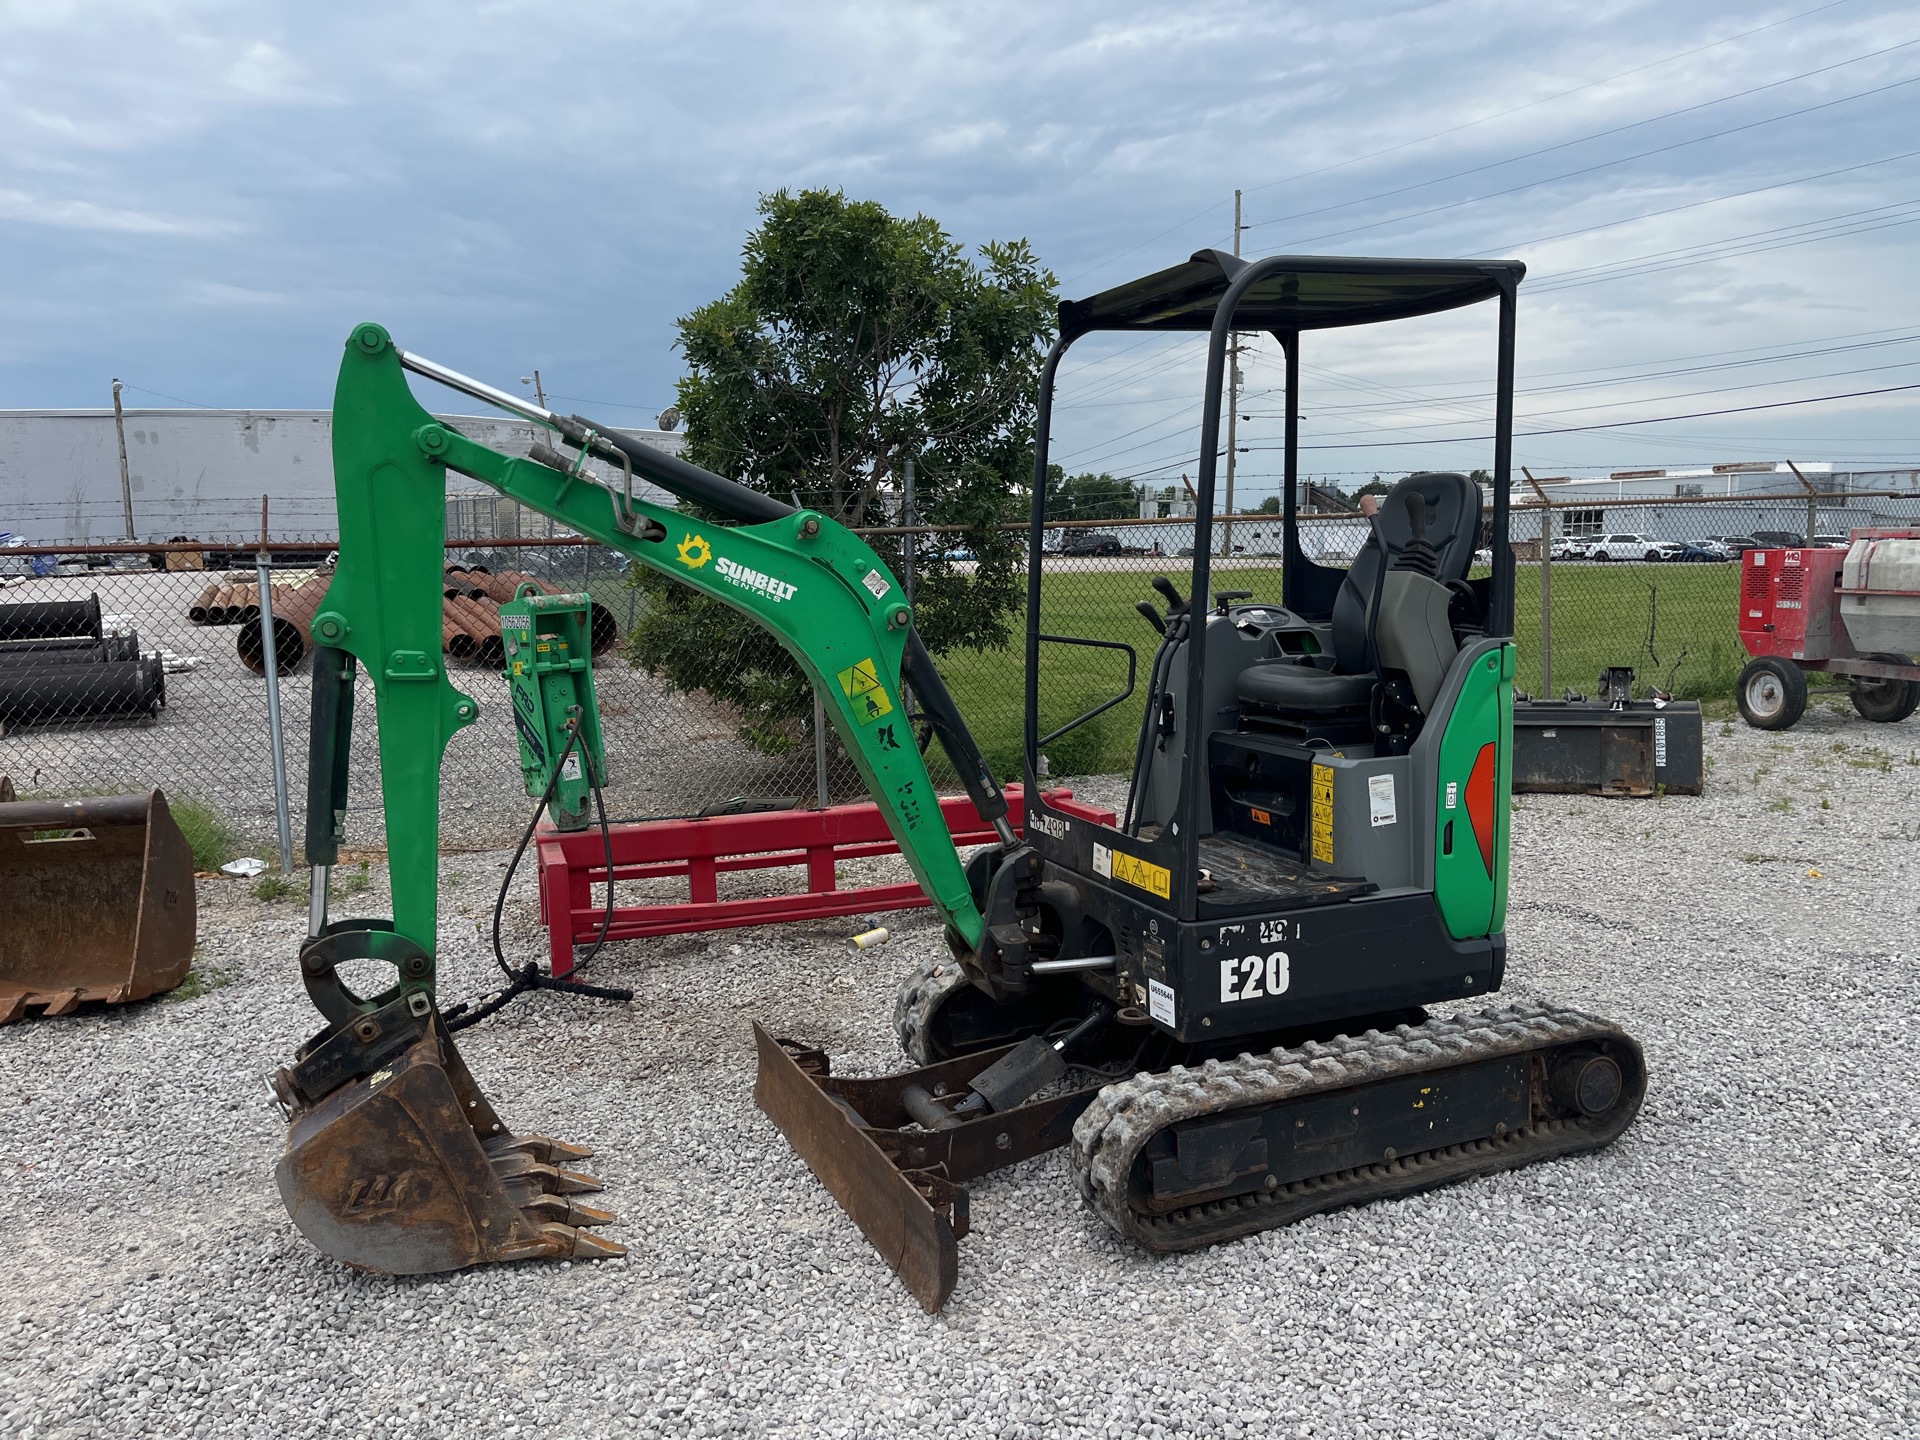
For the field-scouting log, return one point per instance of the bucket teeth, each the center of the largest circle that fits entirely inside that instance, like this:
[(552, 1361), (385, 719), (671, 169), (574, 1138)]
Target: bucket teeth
[(584, 1244), (559, 1209), (548, 1178), (543, 1148)]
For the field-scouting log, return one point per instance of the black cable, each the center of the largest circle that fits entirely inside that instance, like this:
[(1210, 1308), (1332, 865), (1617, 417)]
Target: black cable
[(528, 976)]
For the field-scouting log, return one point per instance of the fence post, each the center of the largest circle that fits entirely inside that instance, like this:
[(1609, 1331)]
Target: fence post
[(1813, 502), (1546, 585), (819, 751), (281, 814)]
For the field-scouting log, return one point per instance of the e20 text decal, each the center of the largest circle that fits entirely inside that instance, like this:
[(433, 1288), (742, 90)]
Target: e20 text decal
[(1255, 977)]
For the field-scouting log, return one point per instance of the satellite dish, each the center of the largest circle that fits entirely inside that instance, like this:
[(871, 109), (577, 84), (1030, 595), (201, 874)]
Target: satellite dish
[(669, 418)]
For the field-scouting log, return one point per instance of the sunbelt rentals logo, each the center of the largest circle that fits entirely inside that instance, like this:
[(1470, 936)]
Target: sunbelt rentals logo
[(696, 551)]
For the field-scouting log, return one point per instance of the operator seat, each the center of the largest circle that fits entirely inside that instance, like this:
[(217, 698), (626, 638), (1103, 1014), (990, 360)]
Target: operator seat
[(1286, 687)]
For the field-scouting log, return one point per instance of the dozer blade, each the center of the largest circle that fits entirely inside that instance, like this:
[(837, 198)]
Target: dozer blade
[(99, 902), (408, 1170), (901, 1183)]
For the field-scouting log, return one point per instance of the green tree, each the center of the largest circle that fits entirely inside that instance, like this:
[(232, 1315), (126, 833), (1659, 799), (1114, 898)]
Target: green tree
[(857, 341), (1090, 497)]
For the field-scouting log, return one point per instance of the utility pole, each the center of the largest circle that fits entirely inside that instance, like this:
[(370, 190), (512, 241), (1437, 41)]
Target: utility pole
[(539, 393), (126, 481), (1233, 396)]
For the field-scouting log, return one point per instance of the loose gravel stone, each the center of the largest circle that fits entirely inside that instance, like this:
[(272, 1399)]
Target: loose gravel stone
[(1743, 1262)]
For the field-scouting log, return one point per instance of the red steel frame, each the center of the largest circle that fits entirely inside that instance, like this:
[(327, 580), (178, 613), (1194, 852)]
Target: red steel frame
[(700, 850)]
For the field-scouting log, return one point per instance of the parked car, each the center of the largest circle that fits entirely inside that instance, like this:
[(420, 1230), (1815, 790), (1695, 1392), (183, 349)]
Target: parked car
[(1574, 547), (957, 552), (1708, 550), (1779, 540), (1089, 542), (1633, 547)]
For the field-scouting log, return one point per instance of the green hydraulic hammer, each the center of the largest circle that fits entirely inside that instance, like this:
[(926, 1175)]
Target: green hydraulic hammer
[(395, 1161)]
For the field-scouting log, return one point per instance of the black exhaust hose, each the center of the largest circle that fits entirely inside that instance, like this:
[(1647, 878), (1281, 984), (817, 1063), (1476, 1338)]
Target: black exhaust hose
[(750, 507), (329, 741), (936, 703)]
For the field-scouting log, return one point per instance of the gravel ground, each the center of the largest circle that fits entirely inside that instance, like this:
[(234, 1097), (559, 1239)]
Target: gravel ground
[(1742, 1262)]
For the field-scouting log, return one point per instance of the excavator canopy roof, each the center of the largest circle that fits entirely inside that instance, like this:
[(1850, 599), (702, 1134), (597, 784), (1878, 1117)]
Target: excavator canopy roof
[(1292, 292)]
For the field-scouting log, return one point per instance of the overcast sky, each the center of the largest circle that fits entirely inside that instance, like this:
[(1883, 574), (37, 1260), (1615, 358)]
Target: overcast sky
[(203, 198)]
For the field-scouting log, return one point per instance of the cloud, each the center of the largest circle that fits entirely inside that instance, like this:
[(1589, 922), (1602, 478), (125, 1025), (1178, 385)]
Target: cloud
[(517, 184)]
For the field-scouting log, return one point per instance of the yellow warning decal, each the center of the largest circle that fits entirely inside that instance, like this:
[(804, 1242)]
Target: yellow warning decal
[(1323, 814), (1261, 817), (1132, 870), (862, 686)]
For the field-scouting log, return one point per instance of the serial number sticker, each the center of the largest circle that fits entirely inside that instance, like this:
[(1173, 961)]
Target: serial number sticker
[(1453, 792), (1255, 977), (1380, 800), (1660, 742), (1131, 870), (1323, 814), (1160, 1002), (876, 583), (516, 622)]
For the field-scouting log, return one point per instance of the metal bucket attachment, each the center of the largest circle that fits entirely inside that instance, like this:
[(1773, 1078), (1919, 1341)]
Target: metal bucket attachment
[(903, 1184), (99, 902), (407, 1170)]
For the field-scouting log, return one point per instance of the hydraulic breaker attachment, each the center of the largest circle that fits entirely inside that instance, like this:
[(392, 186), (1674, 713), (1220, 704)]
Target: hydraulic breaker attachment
[(896, 1151), (99, 902), (405, 1168)]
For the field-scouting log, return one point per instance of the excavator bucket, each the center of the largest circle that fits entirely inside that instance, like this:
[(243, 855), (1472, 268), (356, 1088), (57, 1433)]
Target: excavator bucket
[(407, 1169), (99, 901)]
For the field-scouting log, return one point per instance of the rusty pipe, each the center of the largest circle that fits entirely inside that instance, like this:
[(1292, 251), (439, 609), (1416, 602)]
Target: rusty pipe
[(292, 629)]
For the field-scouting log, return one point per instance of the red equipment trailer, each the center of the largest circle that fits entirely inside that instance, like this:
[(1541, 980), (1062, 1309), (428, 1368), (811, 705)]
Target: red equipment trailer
[(1852, 612)]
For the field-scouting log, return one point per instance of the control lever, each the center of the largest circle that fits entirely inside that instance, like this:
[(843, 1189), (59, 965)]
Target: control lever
[(1145, 607), (1224, 598), (1175, 605)]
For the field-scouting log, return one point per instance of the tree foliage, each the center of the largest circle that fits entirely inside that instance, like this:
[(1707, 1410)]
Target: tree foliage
[(1090, 497), (857, 341)]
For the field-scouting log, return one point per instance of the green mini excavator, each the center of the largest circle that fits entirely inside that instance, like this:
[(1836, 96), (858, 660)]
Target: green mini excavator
[(1217, 1000)]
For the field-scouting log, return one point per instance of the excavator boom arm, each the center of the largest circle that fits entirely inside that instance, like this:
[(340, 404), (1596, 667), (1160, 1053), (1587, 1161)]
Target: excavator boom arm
[(810, 582)]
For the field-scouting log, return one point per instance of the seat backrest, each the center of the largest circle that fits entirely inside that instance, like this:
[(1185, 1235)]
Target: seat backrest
[(1453, 528)]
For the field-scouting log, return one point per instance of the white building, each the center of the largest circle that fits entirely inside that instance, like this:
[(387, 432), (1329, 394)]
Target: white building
[(201, 473)]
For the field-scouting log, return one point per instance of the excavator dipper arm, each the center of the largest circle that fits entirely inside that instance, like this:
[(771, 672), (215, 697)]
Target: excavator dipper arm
[(395, 1161)]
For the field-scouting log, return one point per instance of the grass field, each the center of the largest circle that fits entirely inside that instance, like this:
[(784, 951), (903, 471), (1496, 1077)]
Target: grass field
[(1601, 616)]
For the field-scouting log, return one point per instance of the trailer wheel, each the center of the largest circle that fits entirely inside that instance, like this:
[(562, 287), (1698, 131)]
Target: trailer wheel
[(1885, 702), (1772, 693)]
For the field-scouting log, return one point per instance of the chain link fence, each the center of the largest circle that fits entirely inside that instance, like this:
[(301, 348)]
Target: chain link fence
[(137, 666)]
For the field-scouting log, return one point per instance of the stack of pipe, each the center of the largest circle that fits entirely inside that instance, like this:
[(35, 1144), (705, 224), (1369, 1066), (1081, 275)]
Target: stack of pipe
[(57, 664), (293, 611), (234, 604)]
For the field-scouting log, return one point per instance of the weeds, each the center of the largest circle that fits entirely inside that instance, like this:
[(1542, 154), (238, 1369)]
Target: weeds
[(271, 887), (211, 839), (1781, 805), (200, 980), (352, 882)]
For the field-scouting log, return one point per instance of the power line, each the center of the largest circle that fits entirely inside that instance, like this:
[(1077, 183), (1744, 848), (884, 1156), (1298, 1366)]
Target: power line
[(1468, 125), (1602, 165), (1618, 130), (1620, 424)]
